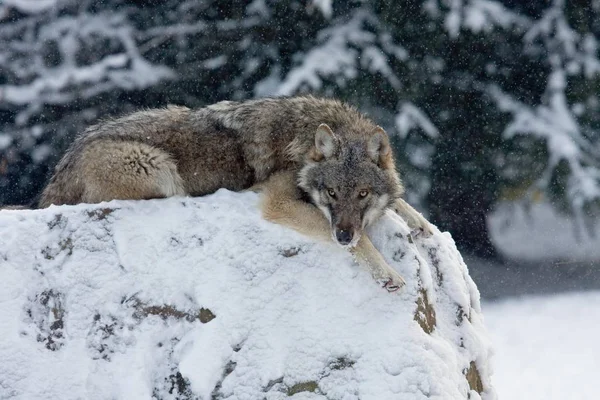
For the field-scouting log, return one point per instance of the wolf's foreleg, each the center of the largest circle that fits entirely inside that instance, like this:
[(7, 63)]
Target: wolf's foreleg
[(280, 204), (369, 257), (413, 218)]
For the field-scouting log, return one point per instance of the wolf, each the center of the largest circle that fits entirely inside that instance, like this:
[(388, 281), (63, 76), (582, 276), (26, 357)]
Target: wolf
[(323, 168)]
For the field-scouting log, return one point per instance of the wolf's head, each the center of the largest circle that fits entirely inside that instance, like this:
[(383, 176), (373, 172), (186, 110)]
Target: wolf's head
[(351, 179)]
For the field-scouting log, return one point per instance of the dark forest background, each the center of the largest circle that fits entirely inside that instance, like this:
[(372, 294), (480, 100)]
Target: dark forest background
[(486, 101)]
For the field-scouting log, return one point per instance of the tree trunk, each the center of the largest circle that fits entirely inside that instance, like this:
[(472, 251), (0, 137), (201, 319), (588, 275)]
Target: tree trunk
[(464, 181)]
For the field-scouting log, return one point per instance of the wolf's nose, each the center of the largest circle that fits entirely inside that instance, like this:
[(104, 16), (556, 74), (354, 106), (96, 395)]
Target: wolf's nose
[(343, 236)]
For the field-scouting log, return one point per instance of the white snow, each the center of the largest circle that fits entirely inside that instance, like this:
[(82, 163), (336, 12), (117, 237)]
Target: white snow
[(30, 6), (540, 233), (5, 141), (477, 16), (77, 287), (546, 348), (325, 6)]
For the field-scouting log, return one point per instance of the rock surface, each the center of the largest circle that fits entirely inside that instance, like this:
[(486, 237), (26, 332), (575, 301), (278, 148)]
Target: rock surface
[(201, 298)]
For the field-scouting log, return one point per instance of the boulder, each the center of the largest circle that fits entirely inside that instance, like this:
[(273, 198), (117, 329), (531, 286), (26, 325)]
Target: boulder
[(200, 298)]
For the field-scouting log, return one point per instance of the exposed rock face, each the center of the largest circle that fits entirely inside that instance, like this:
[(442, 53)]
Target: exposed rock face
[(201, 298)]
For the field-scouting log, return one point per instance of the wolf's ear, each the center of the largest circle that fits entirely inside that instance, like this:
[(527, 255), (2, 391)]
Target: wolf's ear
[(325, 141), (379, 145)]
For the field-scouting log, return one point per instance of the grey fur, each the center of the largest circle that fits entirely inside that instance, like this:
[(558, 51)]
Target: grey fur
[(227, 145)]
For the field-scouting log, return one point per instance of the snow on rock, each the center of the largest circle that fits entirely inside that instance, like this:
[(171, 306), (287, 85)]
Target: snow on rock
[(186, 298)]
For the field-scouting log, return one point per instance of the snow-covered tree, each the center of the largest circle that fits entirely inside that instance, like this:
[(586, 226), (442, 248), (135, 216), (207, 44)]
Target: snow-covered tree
[(565, 118)]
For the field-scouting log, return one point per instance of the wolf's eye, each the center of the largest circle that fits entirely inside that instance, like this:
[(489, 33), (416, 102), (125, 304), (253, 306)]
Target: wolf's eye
[(331, 192), (363, 193)]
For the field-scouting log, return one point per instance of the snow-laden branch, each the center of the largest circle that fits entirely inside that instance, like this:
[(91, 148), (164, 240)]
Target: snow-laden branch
[(38, 84), (567, 48), (554, 122), (345, 49), (30, 6), (477, 16), (324, 6), (410, 117)]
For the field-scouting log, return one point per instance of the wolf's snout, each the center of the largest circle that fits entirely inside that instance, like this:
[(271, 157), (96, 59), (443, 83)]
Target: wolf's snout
[(344, 236)]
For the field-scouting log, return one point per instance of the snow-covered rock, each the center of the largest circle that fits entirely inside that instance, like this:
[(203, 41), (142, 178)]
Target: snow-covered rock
[(187, 298)]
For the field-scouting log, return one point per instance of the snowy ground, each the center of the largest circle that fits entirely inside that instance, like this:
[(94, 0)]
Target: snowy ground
[(546, 347)]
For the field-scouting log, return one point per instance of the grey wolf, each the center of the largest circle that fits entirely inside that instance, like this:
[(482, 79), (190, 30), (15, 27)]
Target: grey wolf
[(323, 168)]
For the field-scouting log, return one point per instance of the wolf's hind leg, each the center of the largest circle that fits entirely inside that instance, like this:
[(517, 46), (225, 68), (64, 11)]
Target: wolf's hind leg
[(281, 204), (128, 171), (414, 219)]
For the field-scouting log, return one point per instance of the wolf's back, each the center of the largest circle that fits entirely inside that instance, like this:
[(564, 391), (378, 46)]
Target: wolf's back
[(230, 145)]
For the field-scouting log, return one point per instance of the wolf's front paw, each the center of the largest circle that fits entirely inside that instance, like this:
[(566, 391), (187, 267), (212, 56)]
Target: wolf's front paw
[(422, 231), (419, 225), (392, 283)]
